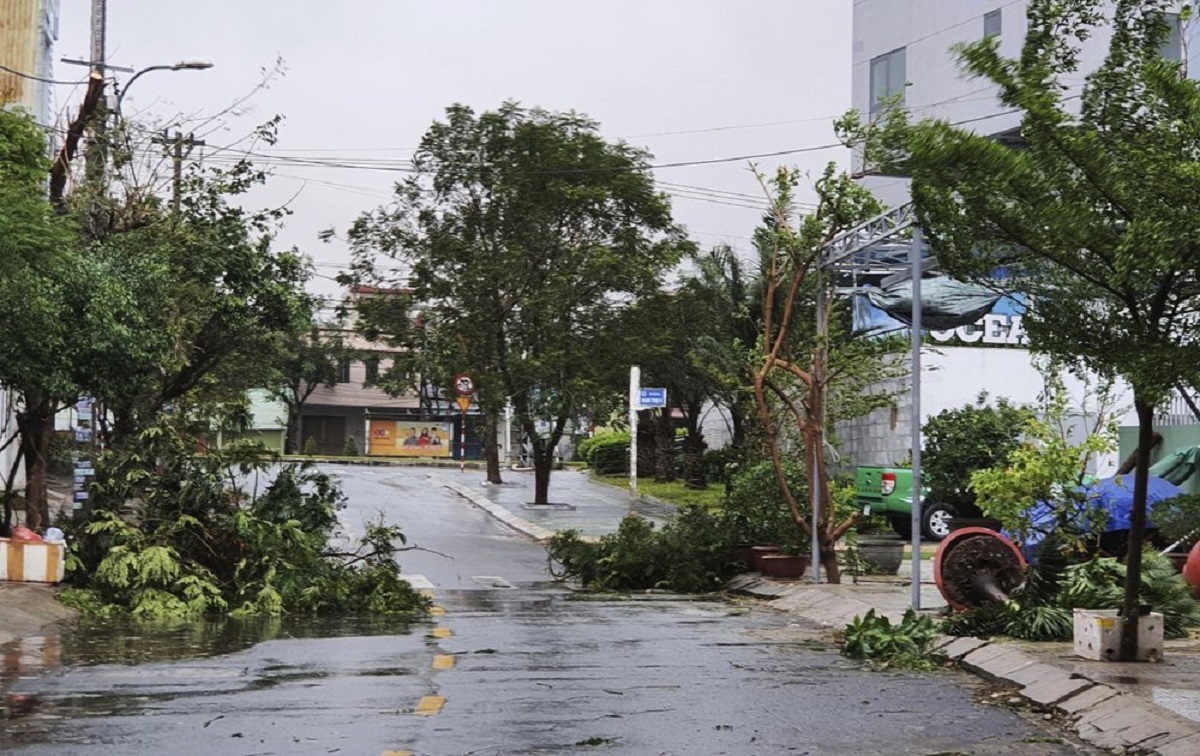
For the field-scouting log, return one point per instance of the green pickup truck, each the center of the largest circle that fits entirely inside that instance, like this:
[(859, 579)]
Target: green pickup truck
[(888, 491)]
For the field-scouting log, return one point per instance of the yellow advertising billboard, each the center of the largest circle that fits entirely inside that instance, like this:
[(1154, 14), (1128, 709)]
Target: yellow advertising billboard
[(404, 438)]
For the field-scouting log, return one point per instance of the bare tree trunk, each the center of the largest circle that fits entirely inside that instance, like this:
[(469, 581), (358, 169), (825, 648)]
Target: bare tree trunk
[(664, 446), (491, 446), (543, 463), (737, 418), (36, 424), (291, 436), (1137, 531), (693, 453)]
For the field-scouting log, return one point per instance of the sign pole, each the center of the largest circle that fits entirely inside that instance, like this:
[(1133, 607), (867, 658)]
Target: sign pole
[(464, 387), (462, 441), (635, 383), (915, 260)]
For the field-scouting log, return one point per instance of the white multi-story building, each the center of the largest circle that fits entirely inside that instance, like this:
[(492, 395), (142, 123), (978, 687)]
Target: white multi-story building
[(905, 49)]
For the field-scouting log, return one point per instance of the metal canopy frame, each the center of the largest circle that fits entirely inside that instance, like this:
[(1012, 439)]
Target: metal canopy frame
[(892, 244)]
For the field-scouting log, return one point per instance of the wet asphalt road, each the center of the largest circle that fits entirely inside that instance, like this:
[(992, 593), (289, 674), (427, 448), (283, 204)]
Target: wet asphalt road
[(510, 664)]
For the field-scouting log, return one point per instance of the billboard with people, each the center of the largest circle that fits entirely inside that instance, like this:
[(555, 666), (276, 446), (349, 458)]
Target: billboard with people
[(404, 438)]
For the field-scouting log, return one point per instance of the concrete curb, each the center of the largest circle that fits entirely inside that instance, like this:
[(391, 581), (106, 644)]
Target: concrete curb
[(1101, 715), (501, 513)]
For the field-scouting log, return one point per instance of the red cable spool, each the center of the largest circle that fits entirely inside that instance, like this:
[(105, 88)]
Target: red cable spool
[(975, 566), (1191, 570)]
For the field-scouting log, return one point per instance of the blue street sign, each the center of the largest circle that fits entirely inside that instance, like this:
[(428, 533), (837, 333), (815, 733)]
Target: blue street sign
[(652, 397)]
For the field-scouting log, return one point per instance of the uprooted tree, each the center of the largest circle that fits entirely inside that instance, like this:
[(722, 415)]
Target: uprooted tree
[(810, 378), (1091, 216)]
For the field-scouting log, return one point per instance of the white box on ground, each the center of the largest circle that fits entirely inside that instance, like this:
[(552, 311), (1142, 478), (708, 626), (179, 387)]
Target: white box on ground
[(1098, 635), (30, 562)]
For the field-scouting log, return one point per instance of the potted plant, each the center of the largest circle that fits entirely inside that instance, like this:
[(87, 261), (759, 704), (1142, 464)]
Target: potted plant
[(756, 516), (880, 554), (787, 563)]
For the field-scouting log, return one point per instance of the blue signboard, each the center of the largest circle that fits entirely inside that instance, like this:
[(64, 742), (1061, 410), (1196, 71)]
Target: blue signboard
[(652, 397)]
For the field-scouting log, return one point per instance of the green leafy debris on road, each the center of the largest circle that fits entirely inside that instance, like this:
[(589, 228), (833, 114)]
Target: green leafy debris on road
[(875, 639), (169, 534)]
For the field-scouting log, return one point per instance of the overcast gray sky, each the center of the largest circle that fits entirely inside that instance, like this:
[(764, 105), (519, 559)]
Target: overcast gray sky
[(686, 79)]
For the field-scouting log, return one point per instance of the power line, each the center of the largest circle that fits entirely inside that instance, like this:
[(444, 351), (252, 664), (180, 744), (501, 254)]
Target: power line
[(24, 75)]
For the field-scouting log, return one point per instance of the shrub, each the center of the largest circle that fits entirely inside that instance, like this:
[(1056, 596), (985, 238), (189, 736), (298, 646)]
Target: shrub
[(311, 447), (721, 465), (689, 555), (606, 453), (756, 511), (973, 437), (1178, 520), (350, 449)]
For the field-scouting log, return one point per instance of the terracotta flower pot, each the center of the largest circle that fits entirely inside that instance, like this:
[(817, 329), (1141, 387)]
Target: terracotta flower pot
[(759, 552), (784, 566)]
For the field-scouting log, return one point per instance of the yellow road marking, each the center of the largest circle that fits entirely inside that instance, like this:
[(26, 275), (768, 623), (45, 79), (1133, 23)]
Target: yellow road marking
[(397, 753), (430, 705), (437, 611), (443, 661), (442, 632)]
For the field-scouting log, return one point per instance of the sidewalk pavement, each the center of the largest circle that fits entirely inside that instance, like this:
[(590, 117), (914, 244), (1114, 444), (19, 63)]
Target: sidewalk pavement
[(1133, 708)]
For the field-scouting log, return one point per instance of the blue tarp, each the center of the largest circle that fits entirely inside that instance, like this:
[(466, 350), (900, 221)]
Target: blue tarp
[(1113, 496)]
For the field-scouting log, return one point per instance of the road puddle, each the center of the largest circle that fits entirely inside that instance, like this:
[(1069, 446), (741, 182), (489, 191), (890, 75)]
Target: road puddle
[(95, 666)]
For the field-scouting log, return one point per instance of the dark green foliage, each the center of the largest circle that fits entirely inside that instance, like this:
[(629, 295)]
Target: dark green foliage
[(689, 555), (756, 512), (720, 465), (873, 638), (606, 453), (523, 235), (1042, 610), (960, 441), (190, 541), (350, 448), (1178, 519)]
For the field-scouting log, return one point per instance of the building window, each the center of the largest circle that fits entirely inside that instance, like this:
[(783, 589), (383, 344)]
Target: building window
[(1172, 46), (887, 79), (343, 369), (991, 24), (372, 365)]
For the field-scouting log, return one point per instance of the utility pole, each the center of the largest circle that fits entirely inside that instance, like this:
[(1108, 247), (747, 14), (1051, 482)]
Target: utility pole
[(97, 155), (178, 143)]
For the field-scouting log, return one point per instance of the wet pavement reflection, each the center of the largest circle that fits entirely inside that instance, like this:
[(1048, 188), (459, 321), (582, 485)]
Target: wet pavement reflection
[(508, 663)]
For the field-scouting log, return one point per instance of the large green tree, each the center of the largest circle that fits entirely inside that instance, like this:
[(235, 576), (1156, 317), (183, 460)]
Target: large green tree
[(1091, 214), (42, 277), (215, 306), (527, 233)]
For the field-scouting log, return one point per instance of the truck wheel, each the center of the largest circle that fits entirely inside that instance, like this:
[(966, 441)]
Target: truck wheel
[(902, 526), (935, 520)]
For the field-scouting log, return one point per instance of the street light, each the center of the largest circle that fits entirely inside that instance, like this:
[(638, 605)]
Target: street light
[(183, 65)]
